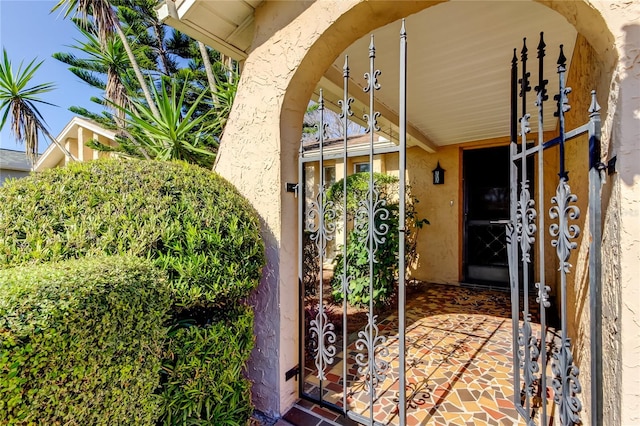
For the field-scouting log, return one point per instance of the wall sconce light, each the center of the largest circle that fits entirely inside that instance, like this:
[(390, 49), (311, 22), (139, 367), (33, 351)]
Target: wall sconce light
[(438, 175)]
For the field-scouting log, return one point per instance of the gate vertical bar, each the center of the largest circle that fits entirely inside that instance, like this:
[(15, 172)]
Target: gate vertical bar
[(595, 254), (371, 217), (543, 289), (512, 248), (321, 224), (526, 215), (402, 400), (345, 113), (565, 382), (321, 252), (301, 227)]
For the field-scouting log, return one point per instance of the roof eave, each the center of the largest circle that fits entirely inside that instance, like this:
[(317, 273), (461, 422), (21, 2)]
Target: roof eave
[(169, 14)]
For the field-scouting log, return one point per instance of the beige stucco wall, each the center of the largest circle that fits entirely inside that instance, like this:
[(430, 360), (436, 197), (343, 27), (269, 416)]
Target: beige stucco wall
[(259, 150), (438, 244), (621, 248)]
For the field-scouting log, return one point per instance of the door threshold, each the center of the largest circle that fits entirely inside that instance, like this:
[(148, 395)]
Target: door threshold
[(486, 286)]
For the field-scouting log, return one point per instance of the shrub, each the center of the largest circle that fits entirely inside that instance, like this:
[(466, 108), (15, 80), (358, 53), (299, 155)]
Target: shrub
[(189, 221), (81, 342), (203, 374), (385, 266)]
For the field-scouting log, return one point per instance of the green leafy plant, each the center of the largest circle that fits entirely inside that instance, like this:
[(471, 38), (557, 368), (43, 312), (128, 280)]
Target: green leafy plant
[(203, 373), (176, 133), (385, 266), (187, 220), (81, 342)]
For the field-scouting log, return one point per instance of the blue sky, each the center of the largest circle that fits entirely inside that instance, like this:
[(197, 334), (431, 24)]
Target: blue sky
[(28, 30)]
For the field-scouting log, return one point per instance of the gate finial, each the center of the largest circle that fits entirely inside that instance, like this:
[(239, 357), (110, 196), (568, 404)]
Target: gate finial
[(595, 106), (541, 88), (524, 81), (372, 48), (562, 60)]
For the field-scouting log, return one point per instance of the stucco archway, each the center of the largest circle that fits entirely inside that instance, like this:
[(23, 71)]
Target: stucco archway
[(261, 142)]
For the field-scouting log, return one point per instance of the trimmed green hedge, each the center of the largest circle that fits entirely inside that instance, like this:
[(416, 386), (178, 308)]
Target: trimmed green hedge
[(81, 342), (203, 378), (188, 220)]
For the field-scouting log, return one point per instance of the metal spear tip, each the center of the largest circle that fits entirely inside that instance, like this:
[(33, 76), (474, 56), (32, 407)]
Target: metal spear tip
[(562, 60), (541, 45), (372, 48), (403, 30), (594, 107), (524, 49)]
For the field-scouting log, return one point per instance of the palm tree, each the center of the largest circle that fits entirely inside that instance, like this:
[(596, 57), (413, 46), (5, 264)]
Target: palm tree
[(17, 102), (110, 59), (107, 22)]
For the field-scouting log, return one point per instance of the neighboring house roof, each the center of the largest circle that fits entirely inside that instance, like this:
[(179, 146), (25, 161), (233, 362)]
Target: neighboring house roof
[(229, 28), (14, 160), (53, 155), (357, 145)]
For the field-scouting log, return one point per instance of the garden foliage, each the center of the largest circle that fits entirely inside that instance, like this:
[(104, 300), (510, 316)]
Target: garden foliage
[(385, 266), (203, 373), (186, 221), (81, 342)]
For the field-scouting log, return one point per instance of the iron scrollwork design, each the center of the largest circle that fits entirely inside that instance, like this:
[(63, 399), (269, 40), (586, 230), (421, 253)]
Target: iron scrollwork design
[(543, 295), (321, 231), (528, 342), (526, 215), (322, 329), (376, 234), (371, 345), (562, 231), (566, 384)]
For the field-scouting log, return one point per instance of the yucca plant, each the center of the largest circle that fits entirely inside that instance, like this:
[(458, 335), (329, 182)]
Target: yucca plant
[(18, 102), (178, 133)]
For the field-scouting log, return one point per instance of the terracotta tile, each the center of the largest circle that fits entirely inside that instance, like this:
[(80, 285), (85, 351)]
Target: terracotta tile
[(298, 417), (323, 412)]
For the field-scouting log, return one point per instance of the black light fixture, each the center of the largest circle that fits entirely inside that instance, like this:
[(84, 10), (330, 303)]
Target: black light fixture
[(438, 175)]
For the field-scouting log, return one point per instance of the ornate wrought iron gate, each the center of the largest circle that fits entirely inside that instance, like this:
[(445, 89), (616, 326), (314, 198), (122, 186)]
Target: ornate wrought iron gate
[(328, 339), (532, 353), (340, 361)]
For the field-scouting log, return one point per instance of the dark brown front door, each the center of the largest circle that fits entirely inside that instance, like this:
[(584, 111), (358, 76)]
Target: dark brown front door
[(486, 213)]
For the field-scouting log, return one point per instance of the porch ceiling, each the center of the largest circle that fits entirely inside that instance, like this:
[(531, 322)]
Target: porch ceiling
[(459, 55), (459, 58)]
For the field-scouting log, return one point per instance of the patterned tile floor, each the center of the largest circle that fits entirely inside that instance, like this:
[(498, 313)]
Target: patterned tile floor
[(459, 365)]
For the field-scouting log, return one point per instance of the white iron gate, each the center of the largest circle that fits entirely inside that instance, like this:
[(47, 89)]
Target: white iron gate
[(341, 361)]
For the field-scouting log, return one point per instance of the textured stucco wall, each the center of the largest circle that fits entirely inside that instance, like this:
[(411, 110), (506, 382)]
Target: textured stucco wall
[(294, 43), (622, 237), (438, 243)]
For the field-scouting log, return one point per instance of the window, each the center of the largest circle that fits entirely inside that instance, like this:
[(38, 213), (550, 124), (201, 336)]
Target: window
[(361, 167), (329, 176)]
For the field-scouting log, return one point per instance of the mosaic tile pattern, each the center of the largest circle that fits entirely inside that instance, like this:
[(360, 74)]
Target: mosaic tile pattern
[(459, 363)]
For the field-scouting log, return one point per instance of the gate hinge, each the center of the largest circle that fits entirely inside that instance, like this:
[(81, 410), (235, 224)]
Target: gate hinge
[(292, 187), (611, 165), (292, 373)]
